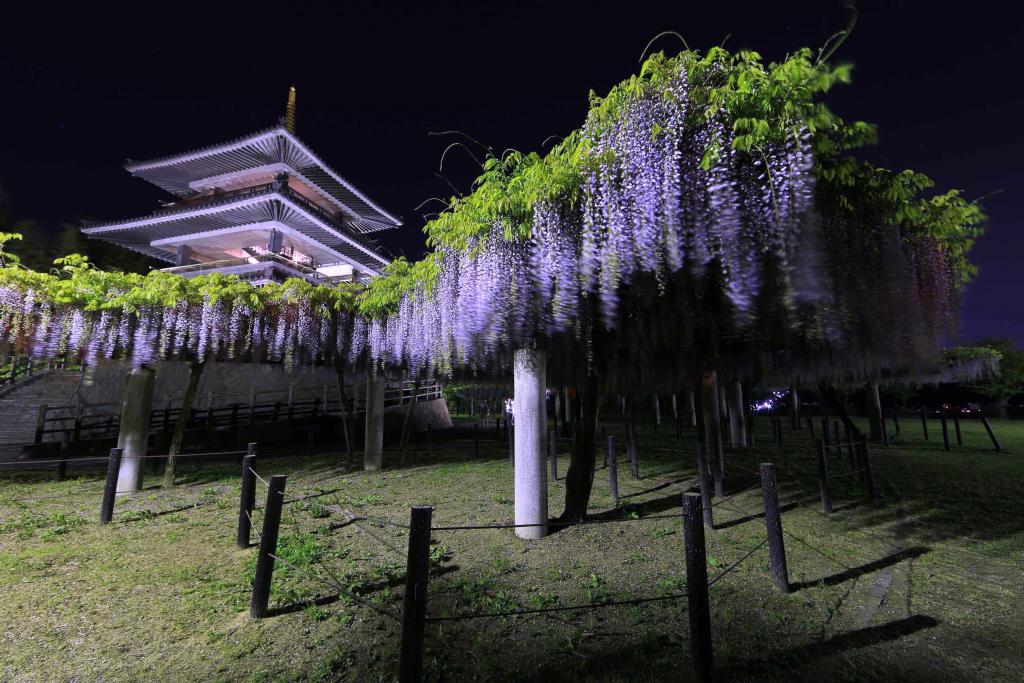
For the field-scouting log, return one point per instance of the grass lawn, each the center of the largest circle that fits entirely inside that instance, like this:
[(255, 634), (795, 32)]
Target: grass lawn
[(923, 584)]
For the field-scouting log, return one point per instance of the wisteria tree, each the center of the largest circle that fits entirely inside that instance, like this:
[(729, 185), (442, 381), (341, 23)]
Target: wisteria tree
[(707, 219)]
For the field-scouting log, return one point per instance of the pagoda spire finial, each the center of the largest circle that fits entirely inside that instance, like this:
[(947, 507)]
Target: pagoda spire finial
[(289, 111)]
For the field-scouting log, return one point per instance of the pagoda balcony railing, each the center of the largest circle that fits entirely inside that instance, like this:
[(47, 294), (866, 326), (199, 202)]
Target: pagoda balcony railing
[(268, 257), (227, 197)]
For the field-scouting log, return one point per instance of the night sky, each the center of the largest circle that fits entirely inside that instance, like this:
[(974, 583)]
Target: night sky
[(82, 91)]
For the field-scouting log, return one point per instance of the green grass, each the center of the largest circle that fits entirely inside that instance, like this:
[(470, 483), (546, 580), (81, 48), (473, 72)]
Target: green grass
[(162, 593)]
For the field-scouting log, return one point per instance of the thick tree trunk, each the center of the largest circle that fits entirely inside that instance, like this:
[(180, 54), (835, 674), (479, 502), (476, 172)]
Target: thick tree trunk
[(737, 426), (181, 424), (339, 369), (712, 422), (404, 443), (794, 407), (579, 481), (373, 449), (874, 402)]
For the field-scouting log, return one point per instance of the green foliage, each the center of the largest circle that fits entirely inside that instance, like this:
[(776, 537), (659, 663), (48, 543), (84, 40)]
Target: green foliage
[(1010, 378)]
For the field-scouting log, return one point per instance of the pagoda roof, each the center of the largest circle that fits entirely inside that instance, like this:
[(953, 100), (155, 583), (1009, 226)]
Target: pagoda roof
[(271, 203), (272, 147)]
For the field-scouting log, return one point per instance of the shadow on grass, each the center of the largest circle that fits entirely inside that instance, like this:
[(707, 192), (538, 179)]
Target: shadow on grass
[(360, 593), (854, 572), (853, 640)]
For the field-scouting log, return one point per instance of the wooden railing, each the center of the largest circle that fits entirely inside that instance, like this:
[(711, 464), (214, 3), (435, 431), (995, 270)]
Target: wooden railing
[(212, 411), (19, 368)]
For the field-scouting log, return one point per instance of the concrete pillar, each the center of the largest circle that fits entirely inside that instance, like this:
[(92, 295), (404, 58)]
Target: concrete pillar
[(183, 257), (531, 479), (136, 407), (737, 412), (691, 407), (373, 451)]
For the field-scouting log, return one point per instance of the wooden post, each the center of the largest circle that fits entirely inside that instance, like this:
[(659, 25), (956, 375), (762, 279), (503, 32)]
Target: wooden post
[(991, 434), (849, 440), (924, 425), (704, 477), (613, 470), (896, 421), (945, 432), (76, 434), (822, 462), (865, 463), (553, 453), (810, 426), (414, 612), (40, 423), (247, 501), (62, 466), (956, 428), (698, 603), (252, 406), (268, 547), (835, 433), (110, 486), (825, 432), (773, 526)]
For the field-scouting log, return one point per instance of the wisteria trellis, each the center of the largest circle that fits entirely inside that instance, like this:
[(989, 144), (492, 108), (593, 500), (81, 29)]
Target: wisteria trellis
[(650, 202)]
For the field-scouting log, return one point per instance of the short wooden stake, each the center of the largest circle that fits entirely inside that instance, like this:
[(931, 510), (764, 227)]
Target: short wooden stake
[(991, 434), (924, 425), (956, 428), (260, 601), (773, 526), (945, 432), (110, 486), (822, 462), (698, 602), (247, 501), (613, 470), (414, 612)]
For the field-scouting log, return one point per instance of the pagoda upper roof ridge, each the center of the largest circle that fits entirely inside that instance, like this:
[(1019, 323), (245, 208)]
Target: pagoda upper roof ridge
[(134, 164), (171, 173)]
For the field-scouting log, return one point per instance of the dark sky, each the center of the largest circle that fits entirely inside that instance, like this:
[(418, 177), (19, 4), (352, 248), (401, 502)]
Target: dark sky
[(83, 89)]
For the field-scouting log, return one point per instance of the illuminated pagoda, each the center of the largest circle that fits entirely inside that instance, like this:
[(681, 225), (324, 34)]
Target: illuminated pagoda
[(263, 207)]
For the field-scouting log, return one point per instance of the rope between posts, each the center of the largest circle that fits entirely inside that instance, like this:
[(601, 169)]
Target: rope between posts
[(470, 527), (546, 610), (52, 462), (252, 525), (255, 474), (743, 559), (336, 586), (817, 550), (738, 493), (745, 469)]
